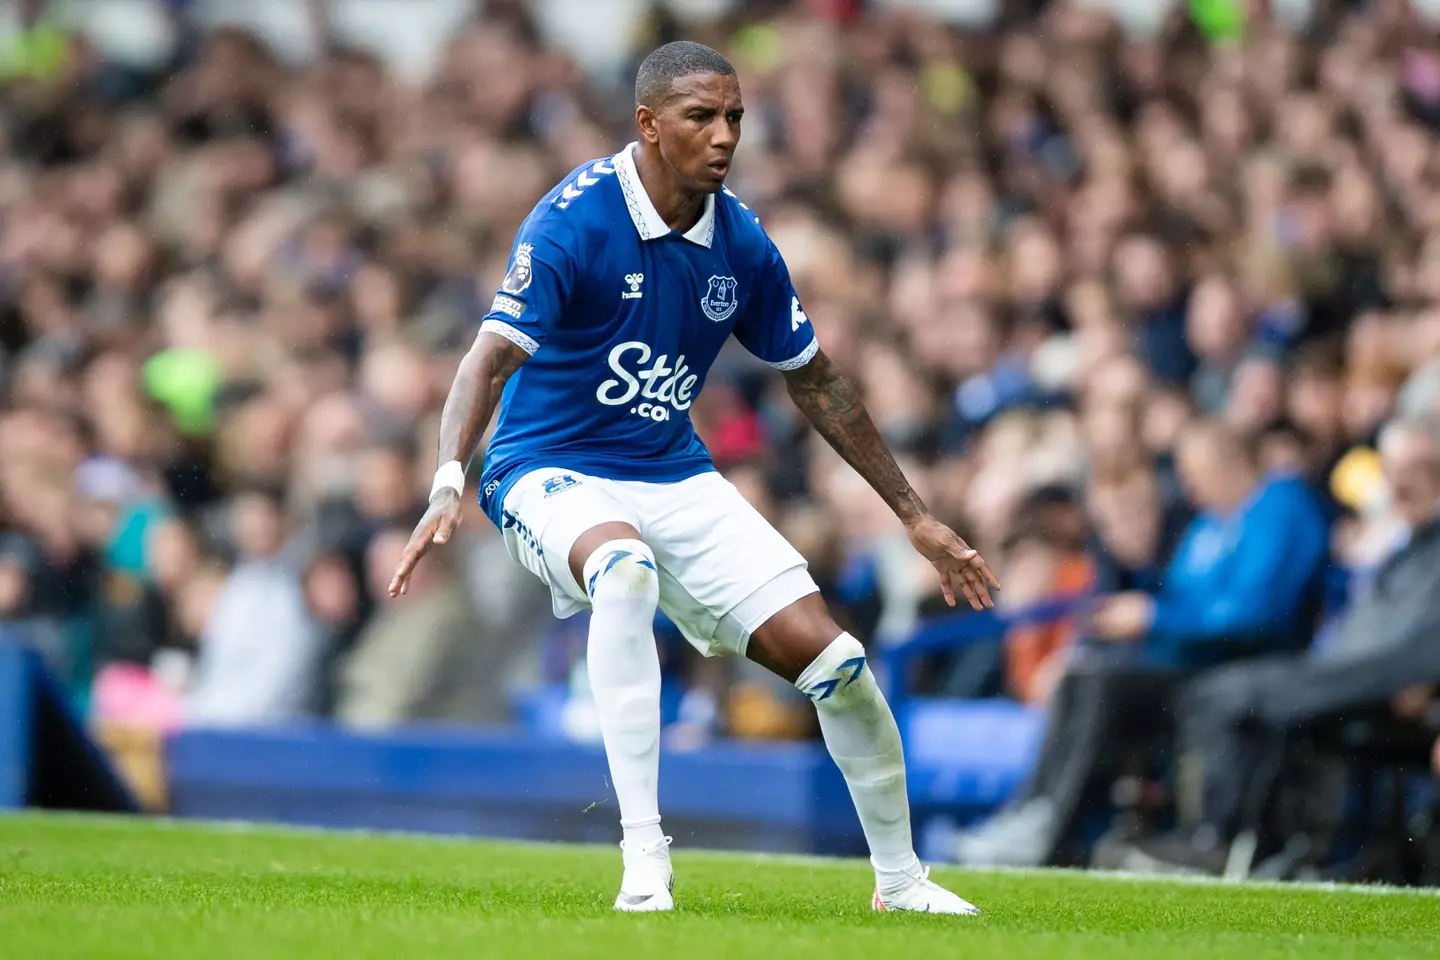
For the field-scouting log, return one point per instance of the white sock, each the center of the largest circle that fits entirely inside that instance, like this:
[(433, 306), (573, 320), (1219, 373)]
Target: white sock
[(624, 669), (864, 741)]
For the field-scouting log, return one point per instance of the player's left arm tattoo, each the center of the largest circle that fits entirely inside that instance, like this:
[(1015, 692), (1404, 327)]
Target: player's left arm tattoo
[(831, 401)]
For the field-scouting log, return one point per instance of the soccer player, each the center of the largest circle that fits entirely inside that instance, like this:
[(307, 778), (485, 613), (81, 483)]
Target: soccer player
[(624, 283)]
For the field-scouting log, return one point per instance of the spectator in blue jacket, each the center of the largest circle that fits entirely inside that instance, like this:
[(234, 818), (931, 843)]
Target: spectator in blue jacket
[(1245, 577), (1245, 580)]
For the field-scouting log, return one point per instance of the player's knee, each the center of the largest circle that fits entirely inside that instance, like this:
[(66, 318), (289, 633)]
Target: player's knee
[(835, 675), (622, 569)]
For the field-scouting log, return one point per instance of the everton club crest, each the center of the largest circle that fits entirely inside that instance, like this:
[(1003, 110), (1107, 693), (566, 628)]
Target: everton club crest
[(518, 279), (720, 299)]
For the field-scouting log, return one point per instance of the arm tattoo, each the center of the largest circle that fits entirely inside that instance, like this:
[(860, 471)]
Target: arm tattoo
[(475, 393), (831, 401)]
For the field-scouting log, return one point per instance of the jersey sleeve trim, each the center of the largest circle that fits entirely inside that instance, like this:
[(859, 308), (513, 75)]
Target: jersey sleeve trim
[(799, 360), (522, 340)]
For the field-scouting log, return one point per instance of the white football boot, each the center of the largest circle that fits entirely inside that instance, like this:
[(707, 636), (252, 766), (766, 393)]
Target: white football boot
[(648, 879), (914, 891)]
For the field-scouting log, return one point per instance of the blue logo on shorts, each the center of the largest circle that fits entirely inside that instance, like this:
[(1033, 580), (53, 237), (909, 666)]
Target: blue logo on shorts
[(559, 484)]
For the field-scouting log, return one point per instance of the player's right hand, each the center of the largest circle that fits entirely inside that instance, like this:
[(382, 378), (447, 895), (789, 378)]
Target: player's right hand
[(436, 527)]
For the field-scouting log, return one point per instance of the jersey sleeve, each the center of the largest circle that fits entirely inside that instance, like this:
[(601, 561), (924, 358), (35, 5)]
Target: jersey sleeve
[(537, 285), (774, 326)]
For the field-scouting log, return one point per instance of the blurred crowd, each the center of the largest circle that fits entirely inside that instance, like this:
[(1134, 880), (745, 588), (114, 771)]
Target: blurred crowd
[(1132, 311)]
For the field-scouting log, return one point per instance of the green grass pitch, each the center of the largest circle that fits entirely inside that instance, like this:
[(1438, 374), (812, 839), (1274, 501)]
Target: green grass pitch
[(74, 886)]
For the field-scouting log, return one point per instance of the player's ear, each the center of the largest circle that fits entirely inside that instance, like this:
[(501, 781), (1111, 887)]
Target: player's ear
[(645, 120)]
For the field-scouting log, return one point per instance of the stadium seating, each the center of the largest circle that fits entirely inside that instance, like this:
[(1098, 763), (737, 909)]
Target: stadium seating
[(967, 756)]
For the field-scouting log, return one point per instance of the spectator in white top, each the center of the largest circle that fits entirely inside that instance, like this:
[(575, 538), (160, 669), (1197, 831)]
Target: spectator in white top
[(260, 650)]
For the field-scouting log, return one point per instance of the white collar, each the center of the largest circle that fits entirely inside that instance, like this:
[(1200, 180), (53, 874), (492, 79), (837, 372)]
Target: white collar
[(647, 219)]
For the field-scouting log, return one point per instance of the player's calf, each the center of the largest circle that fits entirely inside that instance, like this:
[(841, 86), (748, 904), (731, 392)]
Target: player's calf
[(623, 584), (863, 739)]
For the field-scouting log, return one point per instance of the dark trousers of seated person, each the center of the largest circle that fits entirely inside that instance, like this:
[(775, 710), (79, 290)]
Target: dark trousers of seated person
[(1107, 703), (1236, 723)]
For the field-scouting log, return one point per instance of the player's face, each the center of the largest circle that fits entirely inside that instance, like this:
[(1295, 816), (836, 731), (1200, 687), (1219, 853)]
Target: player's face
[(698, 130)]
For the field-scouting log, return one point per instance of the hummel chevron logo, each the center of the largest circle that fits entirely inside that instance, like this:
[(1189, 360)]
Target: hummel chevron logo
[(825, 688), (583, 180)]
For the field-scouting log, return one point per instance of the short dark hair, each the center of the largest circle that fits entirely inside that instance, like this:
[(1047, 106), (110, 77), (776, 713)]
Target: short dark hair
[(654, 81), (1320, 359)]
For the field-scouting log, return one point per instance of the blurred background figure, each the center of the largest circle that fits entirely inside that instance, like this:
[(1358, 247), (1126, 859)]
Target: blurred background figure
[(426, 658), (259, 648)]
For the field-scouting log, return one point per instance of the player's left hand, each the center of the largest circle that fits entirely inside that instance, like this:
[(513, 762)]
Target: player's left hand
[(436, 527), (963, 572)]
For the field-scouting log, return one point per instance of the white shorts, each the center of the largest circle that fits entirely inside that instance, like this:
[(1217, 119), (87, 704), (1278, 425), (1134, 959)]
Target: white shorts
[(723, 569)]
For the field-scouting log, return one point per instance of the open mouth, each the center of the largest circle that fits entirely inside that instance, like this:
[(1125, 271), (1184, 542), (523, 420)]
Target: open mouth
[(719, 167)]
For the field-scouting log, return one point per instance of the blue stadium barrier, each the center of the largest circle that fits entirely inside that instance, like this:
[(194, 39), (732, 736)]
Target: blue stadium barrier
[(500, 783), (46, 757), (15, 726)]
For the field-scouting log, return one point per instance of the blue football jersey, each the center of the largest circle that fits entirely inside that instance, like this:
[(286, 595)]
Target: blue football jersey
[(623, 317)]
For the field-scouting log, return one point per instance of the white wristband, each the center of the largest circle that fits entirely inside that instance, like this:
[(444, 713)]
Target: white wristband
[(450, 475)]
